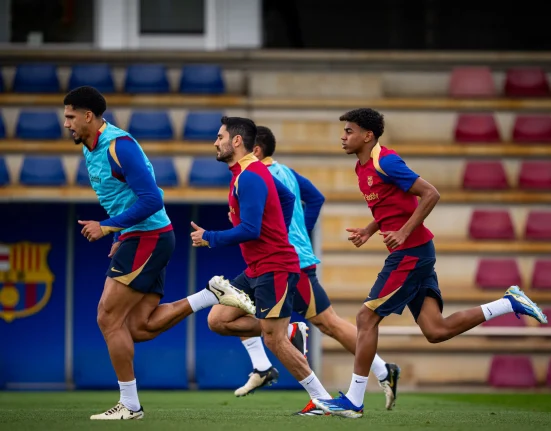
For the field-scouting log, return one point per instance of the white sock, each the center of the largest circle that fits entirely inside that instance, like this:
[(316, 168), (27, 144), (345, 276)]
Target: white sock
[(257, 353), (129, 395), (497, 308), (356, 391), (202, 299), (290, 331), (314, 387), (379, 367)]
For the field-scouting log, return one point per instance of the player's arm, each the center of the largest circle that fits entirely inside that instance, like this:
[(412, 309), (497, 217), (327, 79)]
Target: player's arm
[(252, 195), (287, 201), (429, 197), (128, 164), (313, 200)]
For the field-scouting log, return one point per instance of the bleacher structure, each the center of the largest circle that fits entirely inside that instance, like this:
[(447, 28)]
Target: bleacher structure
[(481, 135)]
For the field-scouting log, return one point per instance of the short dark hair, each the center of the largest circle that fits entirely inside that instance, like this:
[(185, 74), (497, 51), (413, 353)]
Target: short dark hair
[(87, 98), (367, 119), (243, 127), (266, 140)]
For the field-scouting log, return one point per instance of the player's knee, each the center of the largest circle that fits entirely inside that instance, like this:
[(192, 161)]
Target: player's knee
[(216, 324), (366, 319), (435, 334), (274, 342)]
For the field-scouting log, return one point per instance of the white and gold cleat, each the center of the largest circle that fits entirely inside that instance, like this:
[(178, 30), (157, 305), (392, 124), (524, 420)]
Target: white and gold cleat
[(229, 295), (119, 412)]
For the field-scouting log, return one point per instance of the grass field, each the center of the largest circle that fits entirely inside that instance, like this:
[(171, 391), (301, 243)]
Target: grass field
[(271, 410)]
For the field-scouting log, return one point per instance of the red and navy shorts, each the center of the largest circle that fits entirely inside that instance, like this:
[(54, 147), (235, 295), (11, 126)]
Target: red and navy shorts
[(272, 293), (407, 278), (140, 261), (311, 298)]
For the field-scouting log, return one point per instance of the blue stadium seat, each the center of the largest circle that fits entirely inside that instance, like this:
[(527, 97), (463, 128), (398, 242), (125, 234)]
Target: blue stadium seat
[(110, 118), (42, 171), (82, 179), (202, 79), (38, 125), (146, 78), (36, 78), (96, 75), (4, 173), (202, 126), (1, 82), (165, 171), (209, 172), (150, 125), (2, 128)]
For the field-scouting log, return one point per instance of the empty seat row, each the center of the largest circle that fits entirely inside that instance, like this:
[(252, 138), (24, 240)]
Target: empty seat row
[(512, 371), (491, 175), (500, 273), (484, 128), (201, 126), (497, 225), (140, 78), (479, 82)]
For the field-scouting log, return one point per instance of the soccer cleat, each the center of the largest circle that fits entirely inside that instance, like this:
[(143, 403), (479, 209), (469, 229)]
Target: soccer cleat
[(340, 406), (229, 295), (524, 305), (310, 410), (390, 385), (257, 380), (119, 412), (299, 336)]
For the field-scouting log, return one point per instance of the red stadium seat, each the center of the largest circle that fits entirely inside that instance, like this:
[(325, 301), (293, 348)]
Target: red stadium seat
[(472, 82), (538, 226), (491, 224), (485, 176), (476, 128), (549, 374), (526, 82), (541, 276), (507, 320), (547, 312), (532, 128), (535, 175), (512, 372), (497, 273)]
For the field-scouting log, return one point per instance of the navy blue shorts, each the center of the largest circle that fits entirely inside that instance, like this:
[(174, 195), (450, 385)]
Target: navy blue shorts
[(407, 278), (311, 298), (141, 260), (272, 293)]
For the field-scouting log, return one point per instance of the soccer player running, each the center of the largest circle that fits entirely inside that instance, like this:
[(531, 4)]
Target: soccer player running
[(408, 277), (311, 300), (124, 181), (272, 263)]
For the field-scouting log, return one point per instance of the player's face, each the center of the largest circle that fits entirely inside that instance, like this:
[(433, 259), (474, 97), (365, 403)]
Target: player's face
[(353, 138), (224, 147), (77, 121)]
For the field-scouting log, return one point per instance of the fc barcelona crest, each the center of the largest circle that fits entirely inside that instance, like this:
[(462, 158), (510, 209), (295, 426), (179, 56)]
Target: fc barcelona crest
[(25, 279), (370, 181)]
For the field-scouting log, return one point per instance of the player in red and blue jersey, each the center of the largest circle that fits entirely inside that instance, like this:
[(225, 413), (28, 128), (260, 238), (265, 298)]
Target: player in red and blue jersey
[(260, 229), (408, 278)]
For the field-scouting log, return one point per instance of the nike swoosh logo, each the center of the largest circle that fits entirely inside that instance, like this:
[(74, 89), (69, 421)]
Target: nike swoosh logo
[(262, 310), (222, 293), (115, 270), (391, 381), (309, 382), (490, 311)]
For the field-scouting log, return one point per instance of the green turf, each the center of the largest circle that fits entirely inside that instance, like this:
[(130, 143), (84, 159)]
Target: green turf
[(271, 410)]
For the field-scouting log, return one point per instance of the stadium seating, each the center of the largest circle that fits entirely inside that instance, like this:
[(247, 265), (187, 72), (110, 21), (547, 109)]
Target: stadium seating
[(512, 372), (202, 126), (549, 374), (146, 78), (472, 82), (532, 128), (538, 226), (36, 78), (497, 273), (491, 224), (2, 88), (150, 125), (485, 176), (535, 175), (202, 79), (4, 173), (476, 128), (165, 171), (82, 177), (38, 125), (96, 75), (110, 118), (541, 275), (526, 82), (2, 127), (208, 172), (547, 312), (507, 320), (42, 171)]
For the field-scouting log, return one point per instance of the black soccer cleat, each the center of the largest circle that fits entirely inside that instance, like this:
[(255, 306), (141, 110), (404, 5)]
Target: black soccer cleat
[(257, 380), (390, 385)]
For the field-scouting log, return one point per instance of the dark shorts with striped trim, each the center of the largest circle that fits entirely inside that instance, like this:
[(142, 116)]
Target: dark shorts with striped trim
[(311, 298), (272, 293), (407, 278), (141, 260)]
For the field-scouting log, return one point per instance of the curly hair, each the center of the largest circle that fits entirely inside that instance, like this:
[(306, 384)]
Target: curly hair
[(87, 98), (367, 119), (265, 139), (243, 127)]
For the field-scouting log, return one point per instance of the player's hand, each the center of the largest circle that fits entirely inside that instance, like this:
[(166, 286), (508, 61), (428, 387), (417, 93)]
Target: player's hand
[(114, 248), (358, 235), (197, 236), (394, 239), (91, 230)]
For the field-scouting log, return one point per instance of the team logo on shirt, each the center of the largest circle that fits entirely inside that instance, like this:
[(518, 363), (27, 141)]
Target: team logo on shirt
[(370, 181)]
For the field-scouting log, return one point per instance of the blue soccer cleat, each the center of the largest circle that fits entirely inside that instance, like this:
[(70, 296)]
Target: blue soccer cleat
[(524, 305), (340, 406)]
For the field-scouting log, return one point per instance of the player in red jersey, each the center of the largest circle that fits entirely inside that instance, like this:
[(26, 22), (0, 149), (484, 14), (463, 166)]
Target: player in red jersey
[(391, 189)]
